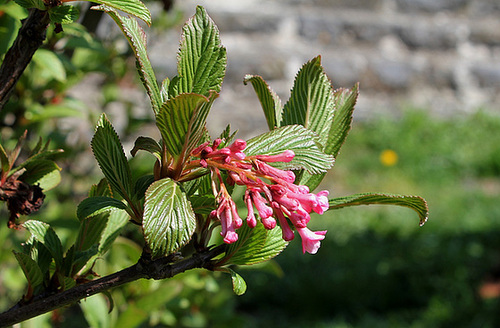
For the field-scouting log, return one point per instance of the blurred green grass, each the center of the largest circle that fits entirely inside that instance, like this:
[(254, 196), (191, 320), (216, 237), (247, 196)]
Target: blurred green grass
[(377, 267)]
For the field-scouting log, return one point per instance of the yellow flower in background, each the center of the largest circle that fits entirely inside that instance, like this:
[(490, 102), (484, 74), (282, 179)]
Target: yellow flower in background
[(388, 157)]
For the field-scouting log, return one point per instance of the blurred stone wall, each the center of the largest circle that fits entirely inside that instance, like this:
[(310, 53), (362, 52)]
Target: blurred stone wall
[(440, 55)]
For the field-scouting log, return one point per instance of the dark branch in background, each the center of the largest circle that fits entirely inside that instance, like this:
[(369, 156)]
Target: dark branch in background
[(30, 37), (161, 268)]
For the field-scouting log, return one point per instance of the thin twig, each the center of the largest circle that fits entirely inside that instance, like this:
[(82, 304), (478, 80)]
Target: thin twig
[(30, 37), (153, 269)]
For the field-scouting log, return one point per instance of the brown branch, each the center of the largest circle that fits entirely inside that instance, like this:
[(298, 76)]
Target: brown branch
[(149, 269), (30, 37)]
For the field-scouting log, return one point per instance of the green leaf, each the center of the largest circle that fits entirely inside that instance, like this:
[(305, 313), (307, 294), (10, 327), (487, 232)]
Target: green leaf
[(133, 7), (30, 268), (38, 4), (43, 172), (345, 100), (43, 233), (148, 144), (169, 221), (203, 204), (50, 63), (239, 284), (138, 41), (271, 103), (116, 221), (416, 203), (291, 137), (202, 59), (311, 100), (90, 231), (109, 153), (63, 14), (93, 206), (181, 122), (255, 245), (4, 160), (141, 185)]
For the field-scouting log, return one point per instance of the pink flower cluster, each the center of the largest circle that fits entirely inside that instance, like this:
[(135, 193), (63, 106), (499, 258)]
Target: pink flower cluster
[(270, 191)]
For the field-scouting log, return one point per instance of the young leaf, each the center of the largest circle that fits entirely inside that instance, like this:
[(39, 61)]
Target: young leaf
[(202, 59), (43, 233), (116, 221), (38, 4), (345, 100), (311, 100), (30, 269), (148, 144), (93, 206), (43, 172), (63, 14), (133, 7), (169, 221), (239, 284), (291, 137), (254, 245), (109, 153), (416, 203), (271, 103), (181, 122), (4, 160), (138, 41)]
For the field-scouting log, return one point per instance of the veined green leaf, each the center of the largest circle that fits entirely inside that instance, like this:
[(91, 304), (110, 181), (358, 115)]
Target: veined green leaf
[(63, 14), (181, 122), (296, 138), (416, 203), (133, 7), (203, 204), (38, 4), (345, 100), (30, 268), (90, 231), (202, 59), (169, 221), (43, 172), (109, 153), (311, 100), (116, 221), (271, 103), (254, 245), (141, 185), (43, 233), (239, 284), (148, 144), (138, 41), (96, 205)]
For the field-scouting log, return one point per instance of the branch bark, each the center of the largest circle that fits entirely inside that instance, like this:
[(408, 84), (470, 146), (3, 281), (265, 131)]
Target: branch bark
[(30, 37), (149, 269)]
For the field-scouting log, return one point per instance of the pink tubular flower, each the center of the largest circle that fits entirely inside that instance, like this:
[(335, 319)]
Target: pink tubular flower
[(267, 169), (323, 204), (311, 240), (269, 190), (286, 157)]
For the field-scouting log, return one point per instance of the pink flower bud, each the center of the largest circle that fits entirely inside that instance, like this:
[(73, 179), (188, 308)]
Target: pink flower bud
[(269, 223), (198, 149), (216, 143), (286, 231), (260, 203), (267, 169), (238, 145), (286, 157)]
